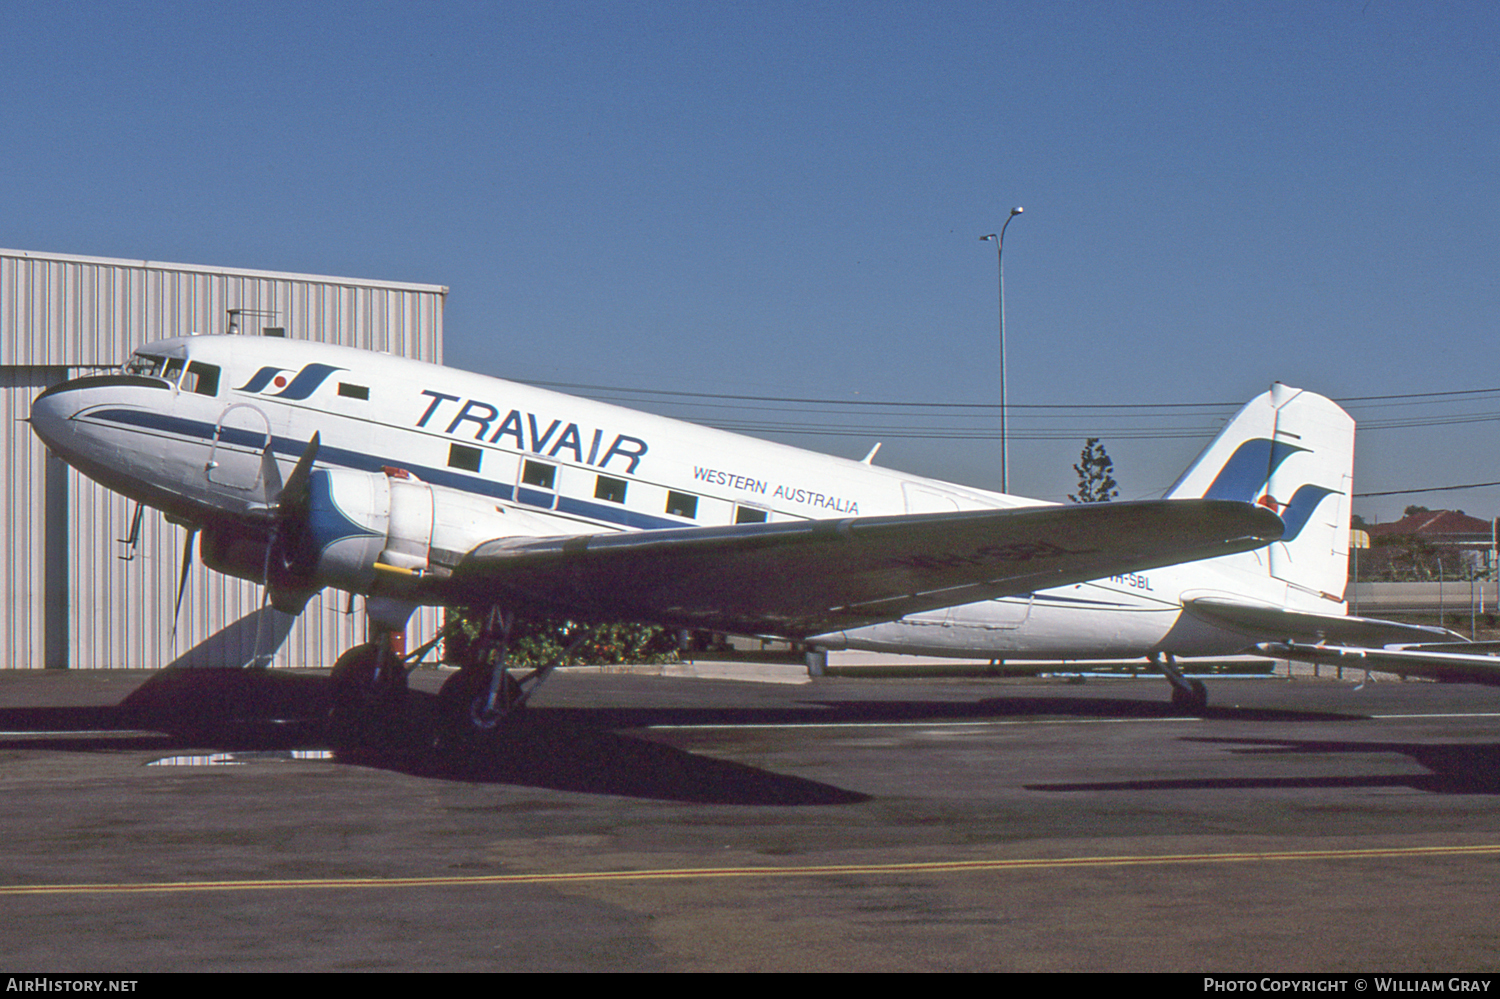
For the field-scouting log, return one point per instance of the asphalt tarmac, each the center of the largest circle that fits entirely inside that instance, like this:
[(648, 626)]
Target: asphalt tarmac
[(196, 821)]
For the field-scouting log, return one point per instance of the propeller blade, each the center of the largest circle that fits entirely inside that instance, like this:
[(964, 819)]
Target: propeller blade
[(270, 476), (284, 555), (187, 563), (294, 493), (265, 600)]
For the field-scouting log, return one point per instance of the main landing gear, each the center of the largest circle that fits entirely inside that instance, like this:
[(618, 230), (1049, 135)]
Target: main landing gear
[(367, 695), (476, 707), (1189, 695), (479, 706)]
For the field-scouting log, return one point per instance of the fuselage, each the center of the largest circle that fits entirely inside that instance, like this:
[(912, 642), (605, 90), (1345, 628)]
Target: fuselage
[(186, 428)]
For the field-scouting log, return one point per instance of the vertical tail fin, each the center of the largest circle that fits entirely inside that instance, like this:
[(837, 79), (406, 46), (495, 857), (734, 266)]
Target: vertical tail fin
[(1291, 451)]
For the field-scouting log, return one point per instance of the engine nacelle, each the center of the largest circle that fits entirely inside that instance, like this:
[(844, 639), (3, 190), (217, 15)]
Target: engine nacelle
[(377, 533)]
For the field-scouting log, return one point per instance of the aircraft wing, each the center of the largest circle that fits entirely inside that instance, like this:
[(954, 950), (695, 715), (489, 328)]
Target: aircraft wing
[(1266, 621), (1425, 661), (806, 577)]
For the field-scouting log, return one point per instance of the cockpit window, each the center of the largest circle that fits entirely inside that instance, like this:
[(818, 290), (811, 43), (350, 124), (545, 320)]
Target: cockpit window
[(146, 364), (201, 378)]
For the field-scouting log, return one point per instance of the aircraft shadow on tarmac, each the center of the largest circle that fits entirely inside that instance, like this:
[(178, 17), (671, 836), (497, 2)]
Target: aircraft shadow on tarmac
[(588, 750), (254, 711), (1455, 768)]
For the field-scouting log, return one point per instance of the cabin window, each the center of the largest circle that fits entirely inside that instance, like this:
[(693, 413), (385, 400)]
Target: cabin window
[(354, 391), (610, 489), (749, 515), (201, 378), (535, 473), (464, 457), (682, 504)]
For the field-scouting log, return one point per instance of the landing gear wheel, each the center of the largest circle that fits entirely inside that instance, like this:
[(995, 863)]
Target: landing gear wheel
[(367, 703), (463, 719), (1193, 699)]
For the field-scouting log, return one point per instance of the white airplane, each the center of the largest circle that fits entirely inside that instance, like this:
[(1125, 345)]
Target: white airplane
[(304, 465), (1288, 450)]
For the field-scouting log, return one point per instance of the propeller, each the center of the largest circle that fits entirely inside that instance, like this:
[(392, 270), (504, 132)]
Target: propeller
[(288, 550), (287, 504)]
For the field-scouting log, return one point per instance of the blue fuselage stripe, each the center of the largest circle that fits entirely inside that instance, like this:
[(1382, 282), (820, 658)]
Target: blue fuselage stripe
[(360, 461)]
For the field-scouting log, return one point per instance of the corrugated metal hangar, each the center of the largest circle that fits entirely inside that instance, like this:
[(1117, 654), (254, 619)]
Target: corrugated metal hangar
[(76, 595)]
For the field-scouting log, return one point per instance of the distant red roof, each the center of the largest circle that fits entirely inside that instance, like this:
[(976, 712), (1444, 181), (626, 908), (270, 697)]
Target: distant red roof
[(1433, 524)]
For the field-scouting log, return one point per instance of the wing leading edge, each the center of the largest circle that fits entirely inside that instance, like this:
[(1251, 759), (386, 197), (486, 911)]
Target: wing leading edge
[(806, 577)]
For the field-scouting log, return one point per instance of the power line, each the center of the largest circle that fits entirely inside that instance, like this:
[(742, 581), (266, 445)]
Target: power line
[(1429, 489), (725, 400), (683, 404), (584, 387), (802, 400)]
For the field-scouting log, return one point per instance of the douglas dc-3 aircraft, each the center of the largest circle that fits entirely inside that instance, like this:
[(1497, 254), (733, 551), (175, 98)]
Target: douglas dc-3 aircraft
[(303, 465)]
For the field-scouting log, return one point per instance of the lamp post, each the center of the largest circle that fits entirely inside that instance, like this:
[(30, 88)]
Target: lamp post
[(999, 239)]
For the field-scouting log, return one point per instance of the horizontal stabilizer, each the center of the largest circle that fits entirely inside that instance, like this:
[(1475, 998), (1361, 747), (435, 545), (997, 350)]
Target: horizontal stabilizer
[(1265, 621), (1466, 647), (1449, 667), (803, 578)]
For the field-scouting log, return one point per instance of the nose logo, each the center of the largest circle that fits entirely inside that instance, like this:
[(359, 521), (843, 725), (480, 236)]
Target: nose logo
[(273, 381)]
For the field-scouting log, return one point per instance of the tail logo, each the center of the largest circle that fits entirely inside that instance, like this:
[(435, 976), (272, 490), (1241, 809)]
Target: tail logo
[(1299, 511), (1249, 469)]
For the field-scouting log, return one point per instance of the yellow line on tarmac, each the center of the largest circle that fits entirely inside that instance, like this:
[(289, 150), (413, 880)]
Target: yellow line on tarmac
[(919, 867)]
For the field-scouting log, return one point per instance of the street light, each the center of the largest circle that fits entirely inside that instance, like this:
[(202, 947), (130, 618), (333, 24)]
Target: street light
[(1000, 261)]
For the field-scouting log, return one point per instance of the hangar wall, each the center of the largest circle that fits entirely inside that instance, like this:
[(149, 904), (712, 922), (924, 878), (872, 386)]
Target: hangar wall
[(70, 595)]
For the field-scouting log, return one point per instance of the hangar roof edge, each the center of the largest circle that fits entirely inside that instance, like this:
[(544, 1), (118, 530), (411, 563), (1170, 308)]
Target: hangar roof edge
[(440, 289)]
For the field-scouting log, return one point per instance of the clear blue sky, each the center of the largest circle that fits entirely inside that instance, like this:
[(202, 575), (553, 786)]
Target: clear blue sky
[(785, 199)]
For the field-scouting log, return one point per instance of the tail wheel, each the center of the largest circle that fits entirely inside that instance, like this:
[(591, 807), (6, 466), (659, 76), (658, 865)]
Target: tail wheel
[(1195, 698)]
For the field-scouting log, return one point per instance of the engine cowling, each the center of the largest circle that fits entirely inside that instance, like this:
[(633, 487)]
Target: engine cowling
[(390, 533)]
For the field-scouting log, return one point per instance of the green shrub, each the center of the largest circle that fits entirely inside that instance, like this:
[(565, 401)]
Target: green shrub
[(537, 641)]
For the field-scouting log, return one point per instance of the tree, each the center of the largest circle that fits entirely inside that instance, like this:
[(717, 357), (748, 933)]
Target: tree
[(1096, 480)]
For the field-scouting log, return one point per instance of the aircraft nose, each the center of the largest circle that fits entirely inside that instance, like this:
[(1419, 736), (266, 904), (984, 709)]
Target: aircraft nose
[(52, 413), (49, 415)]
